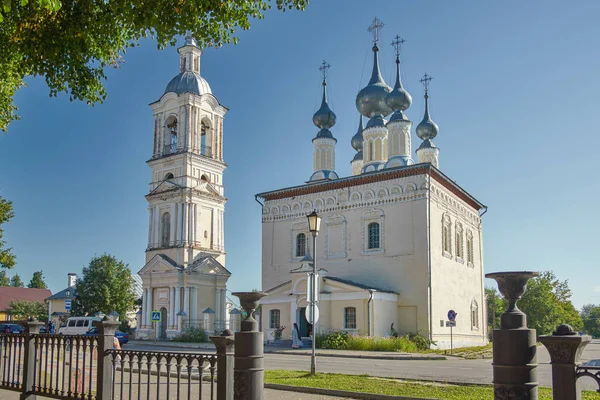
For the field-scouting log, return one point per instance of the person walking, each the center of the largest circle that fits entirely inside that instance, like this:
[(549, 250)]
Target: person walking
[(296, 341)]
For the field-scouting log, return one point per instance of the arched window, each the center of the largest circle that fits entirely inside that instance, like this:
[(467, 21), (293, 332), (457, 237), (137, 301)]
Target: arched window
[(447, 235), (469, 247), (165, 229), (300, 245), (350, 318), (274, 319), (474, 315), (203, 149), (373, 235), (171, 147), (169, 176), (459, 241), (204, 178)]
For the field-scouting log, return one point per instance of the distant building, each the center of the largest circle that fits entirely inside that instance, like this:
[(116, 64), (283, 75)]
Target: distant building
[(9, 294), (400, 242), (59, 304)]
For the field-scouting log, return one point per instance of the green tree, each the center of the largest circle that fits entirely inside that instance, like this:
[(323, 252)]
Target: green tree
[(16, 281), (22, 309), (106, 285), (71, 43), (547, 303), (7, 258), (37, 281), (4, 279), (495, 307), (591, 319)]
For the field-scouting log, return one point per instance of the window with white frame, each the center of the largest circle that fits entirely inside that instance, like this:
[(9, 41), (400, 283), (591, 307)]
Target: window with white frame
[(275, 319), (165, 229), (447, 235), (350, 318), (373, 232), (459, 242), (300, 245), (469, 247), (474, 315)]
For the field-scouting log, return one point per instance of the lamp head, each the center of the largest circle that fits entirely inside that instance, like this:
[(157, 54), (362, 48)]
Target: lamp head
[(314, 223)]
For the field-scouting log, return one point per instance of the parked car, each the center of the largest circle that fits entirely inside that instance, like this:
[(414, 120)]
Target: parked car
[(122, 337), (11, 328), (77, 325), (591, 363)]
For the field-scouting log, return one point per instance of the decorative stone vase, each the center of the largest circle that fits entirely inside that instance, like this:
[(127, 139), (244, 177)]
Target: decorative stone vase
[(512, 286), (249, 302)]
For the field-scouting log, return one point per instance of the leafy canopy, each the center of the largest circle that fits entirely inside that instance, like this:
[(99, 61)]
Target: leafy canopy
[(71, 43), (22, 309), (37, 281), (591, 319), (16, 281), (4, 279), (7, 258), (106, 285)]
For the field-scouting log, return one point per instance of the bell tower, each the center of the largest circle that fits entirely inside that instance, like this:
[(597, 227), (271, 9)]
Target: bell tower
[(186, 196)]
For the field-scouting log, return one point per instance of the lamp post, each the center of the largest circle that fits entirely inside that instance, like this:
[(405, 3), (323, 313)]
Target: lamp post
[(314, 224)]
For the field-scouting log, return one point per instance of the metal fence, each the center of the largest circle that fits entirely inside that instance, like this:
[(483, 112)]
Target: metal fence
[(11, 361)]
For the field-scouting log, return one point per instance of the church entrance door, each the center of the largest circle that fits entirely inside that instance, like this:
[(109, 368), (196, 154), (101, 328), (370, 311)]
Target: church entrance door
[(162, 327), (303, 325)]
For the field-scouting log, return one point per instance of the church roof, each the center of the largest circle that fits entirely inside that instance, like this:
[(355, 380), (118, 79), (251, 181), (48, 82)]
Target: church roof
[(358, 285), (375, 176), (11, 293), (188, 82), (67, 293)]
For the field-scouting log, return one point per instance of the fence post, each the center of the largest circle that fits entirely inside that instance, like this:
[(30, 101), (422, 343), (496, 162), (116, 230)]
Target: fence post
[(224, 345), (31, 328), (514, 345), (249, 372), (104, 369), (565, 347)]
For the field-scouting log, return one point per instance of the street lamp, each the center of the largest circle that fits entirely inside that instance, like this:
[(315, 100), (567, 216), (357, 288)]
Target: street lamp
[(314, 224)]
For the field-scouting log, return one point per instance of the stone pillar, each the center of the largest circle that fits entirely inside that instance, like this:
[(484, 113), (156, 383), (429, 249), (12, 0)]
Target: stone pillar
[(217, 304), (224, 347), (106, 334), (249, 373), (186, 303), (565, 348), (149, 307), (194, 310), (223, 306), (514, 346), (177, 306), (29, 356), (144, 306), (172, 310)]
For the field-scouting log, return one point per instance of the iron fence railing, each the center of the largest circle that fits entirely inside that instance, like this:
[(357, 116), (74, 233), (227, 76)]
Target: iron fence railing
[(163, 375), (589, 371), (12, 354)]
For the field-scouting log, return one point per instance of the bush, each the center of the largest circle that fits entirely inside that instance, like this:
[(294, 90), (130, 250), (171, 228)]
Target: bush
[(344, 341), (422, 342), (192, 334), (333, 340)]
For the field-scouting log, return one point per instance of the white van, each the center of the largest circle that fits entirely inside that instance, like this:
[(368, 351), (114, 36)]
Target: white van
[(77, 325)]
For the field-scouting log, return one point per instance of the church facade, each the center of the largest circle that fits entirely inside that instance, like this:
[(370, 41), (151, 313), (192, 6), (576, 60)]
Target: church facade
[(184, 278), (400, 243)]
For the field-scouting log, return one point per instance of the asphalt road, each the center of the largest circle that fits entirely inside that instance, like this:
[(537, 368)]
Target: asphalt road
[(451, 370)]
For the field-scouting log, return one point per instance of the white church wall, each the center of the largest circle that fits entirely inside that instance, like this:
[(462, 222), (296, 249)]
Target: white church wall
[(384, 313), (456, 284)]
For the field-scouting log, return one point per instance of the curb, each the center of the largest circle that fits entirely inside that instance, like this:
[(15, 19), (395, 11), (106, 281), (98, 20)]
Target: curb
[(339, 393), (364, 356)]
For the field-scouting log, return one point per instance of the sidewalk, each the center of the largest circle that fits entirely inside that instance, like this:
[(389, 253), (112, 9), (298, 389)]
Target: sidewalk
[(375, 355), (270, 394)]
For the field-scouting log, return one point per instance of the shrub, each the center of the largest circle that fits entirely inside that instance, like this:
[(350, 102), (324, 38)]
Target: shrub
[(422, 342), (192, 334), (333, 340), (344, 341), (279, 332)]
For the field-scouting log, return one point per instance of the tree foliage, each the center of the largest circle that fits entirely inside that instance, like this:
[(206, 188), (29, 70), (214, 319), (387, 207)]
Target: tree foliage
[(71, 43), (106, 285), (495, 307), (7, 258), (16, 281), (37, 281), (591, 319), (22, 309), (4, 279)]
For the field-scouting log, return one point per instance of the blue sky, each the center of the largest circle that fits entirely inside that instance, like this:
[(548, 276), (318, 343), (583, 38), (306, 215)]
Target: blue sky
[(514, 93)]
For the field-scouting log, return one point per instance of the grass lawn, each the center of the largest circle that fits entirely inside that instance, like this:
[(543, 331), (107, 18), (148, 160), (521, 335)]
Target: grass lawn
[(467, 352), (394, 387)]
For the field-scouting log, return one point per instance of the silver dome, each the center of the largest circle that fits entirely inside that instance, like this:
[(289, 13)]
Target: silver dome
[(399, 161), (357, 139), (427, 144), (323, 174), (398, 99), (427, 129), (371, 100), (376, 121), (188, 82), (325, 134), (398, 116), (324, 118), (358, 156)]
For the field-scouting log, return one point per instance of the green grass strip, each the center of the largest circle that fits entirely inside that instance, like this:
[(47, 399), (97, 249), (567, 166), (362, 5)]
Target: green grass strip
[(394, 387)]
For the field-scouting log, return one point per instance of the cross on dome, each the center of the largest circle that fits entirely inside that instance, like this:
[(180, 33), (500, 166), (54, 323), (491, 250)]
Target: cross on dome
[(397, 44), (374, 29), (323, 68), (425, 81)]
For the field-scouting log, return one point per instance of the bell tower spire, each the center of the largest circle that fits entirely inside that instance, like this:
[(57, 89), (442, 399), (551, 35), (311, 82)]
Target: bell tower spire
[(427, 130)]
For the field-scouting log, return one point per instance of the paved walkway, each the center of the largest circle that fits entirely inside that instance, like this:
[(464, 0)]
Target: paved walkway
[(270, 394)]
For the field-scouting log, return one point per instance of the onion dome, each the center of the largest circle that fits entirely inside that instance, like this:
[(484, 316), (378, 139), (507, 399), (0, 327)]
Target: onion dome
[(371, 100), (399, 99), (357, 139), (325, 134), (358, 156), (188, 82), (427, 144), (427, 129), (324, 118)]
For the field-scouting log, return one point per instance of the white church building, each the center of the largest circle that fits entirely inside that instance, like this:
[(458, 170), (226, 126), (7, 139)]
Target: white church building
[(185, 279), (400, 242)]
